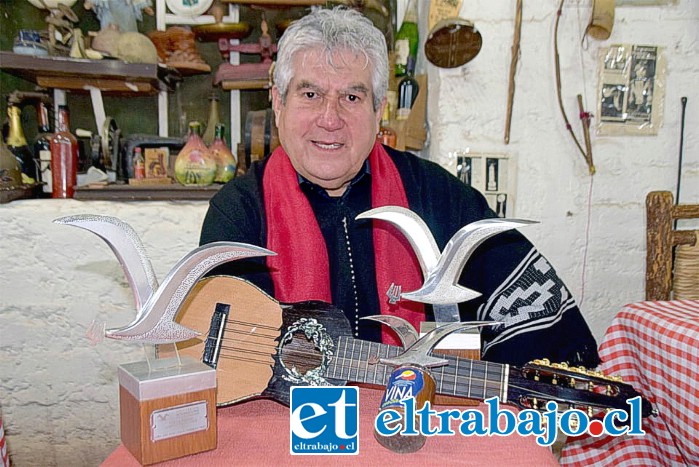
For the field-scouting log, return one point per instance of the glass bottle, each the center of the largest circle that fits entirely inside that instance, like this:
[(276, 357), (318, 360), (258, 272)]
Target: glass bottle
[(10, 170), (408, 89), (194, 165), (386, 134), (407, 42), (225, 160), (18, 143), (42, 145), (64, 157), (214, 118), (139, 165)]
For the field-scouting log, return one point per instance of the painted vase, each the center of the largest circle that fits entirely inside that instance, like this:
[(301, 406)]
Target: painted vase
[(194, 165), (225, 160)]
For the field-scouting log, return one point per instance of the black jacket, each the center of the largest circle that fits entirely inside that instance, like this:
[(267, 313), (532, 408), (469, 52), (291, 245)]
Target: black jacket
[(518, 285)]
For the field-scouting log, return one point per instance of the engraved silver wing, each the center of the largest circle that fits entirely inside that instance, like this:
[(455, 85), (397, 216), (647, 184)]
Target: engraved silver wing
[(156, 324), (128, 248), (415, 230), (156, 305), (441, 271), (441, 284)]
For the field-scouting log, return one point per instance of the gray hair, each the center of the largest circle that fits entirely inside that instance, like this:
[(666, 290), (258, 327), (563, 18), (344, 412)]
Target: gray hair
[(334, 29)]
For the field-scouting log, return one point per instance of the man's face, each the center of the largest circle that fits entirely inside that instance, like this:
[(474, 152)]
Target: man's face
[(328, 124)]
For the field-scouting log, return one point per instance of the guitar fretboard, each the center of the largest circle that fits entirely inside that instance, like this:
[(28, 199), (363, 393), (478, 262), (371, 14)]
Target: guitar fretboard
[(357, 360)]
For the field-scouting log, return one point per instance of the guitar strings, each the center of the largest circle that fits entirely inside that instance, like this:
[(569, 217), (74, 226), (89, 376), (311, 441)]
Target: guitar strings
[(255, 327), (349, 364), (448, 376), (230, 351), (475, 384)]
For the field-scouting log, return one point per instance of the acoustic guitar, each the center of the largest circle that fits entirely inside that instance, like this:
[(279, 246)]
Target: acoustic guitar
[(260, 348)]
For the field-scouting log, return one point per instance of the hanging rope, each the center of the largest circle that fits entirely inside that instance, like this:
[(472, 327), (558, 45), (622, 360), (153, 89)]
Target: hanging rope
[(584, 116)]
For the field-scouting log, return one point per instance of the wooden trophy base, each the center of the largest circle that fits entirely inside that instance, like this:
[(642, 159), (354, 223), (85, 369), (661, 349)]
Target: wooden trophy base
[(167, 413), (462, 345)]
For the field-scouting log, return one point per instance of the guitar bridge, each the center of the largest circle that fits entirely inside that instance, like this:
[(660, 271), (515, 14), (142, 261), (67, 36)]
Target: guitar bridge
[(214, 340)]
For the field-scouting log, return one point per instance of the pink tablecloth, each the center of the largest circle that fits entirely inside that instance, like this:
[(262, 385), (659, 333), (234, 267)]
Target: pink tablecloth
[(655, 347), (257, 433)]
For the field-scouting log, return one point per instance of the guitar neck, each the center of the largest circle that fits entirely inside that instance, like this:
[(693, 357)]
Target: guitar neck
[(357, 360)]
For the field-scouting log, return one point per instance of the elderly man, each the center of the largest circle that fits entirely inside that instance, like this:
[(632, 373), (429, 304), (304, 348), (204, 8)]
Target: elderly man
[(302, 202)]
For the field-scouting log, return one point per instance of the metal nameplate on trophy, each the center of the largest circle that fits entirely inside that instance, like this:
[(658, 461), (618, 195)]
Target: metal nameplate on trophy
[(167, 413), (167, 403)]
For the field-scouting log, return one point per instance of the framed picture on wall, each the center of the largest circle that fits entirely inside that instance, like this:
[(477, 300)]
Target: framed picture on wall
[(492, 175)]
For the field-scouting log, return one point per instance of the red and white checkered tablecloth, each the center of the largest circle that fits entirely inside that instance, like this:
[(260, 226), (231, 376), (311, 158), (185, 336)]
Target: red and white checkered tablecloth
[(654, 346)]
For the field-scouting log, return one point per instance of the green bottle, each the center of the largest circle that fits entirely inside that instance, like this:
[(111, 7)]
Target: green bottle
[(10, 169), (18, 143), (407, 41)]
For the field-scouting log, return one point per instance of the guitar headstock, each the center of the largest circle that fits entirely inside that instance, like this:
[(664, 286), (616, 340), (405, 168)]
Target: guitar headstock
[(540, 381)]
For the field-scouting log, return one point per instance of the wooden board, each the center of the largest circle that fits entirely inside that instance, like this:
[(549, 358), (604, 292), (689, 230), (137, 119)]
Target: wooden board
[(74, 74), (250, 342), (146, 192), (136, 430)]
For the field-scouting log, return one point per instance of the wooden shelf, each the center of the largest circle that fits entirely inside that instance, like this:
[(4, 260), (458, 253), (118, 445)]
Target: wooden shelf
[(173, 192), (277, 3), (230, 85), (75, 74)]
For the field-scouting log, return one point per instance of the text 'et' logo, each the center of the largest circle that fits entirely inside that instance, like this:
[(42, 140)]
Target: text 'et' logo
[(324, 420)]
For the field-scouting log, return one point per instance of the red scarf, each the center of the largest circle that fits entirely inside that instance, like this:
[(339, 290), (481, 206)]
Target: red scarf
[(300, 270)]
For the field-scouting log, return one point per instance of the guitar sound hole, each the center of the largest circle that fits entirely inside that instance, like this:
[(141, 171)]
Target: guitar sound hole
[(301, 353)]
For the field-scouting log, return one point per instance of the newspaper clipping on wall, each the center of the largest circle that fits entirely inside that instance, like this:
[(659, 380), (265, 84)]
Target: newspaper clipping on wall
[(631, 89)]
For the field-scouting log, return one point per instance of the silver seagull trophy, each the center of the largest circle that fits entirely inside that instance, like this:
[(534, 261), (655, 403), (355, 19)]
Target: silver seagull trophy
[(156, 305), (441, 271)]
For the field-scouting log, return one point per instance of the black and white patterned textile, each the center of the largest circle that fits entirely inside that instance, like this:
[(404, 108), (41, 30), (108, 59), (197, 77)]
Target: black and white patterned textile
[(531, 298)]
